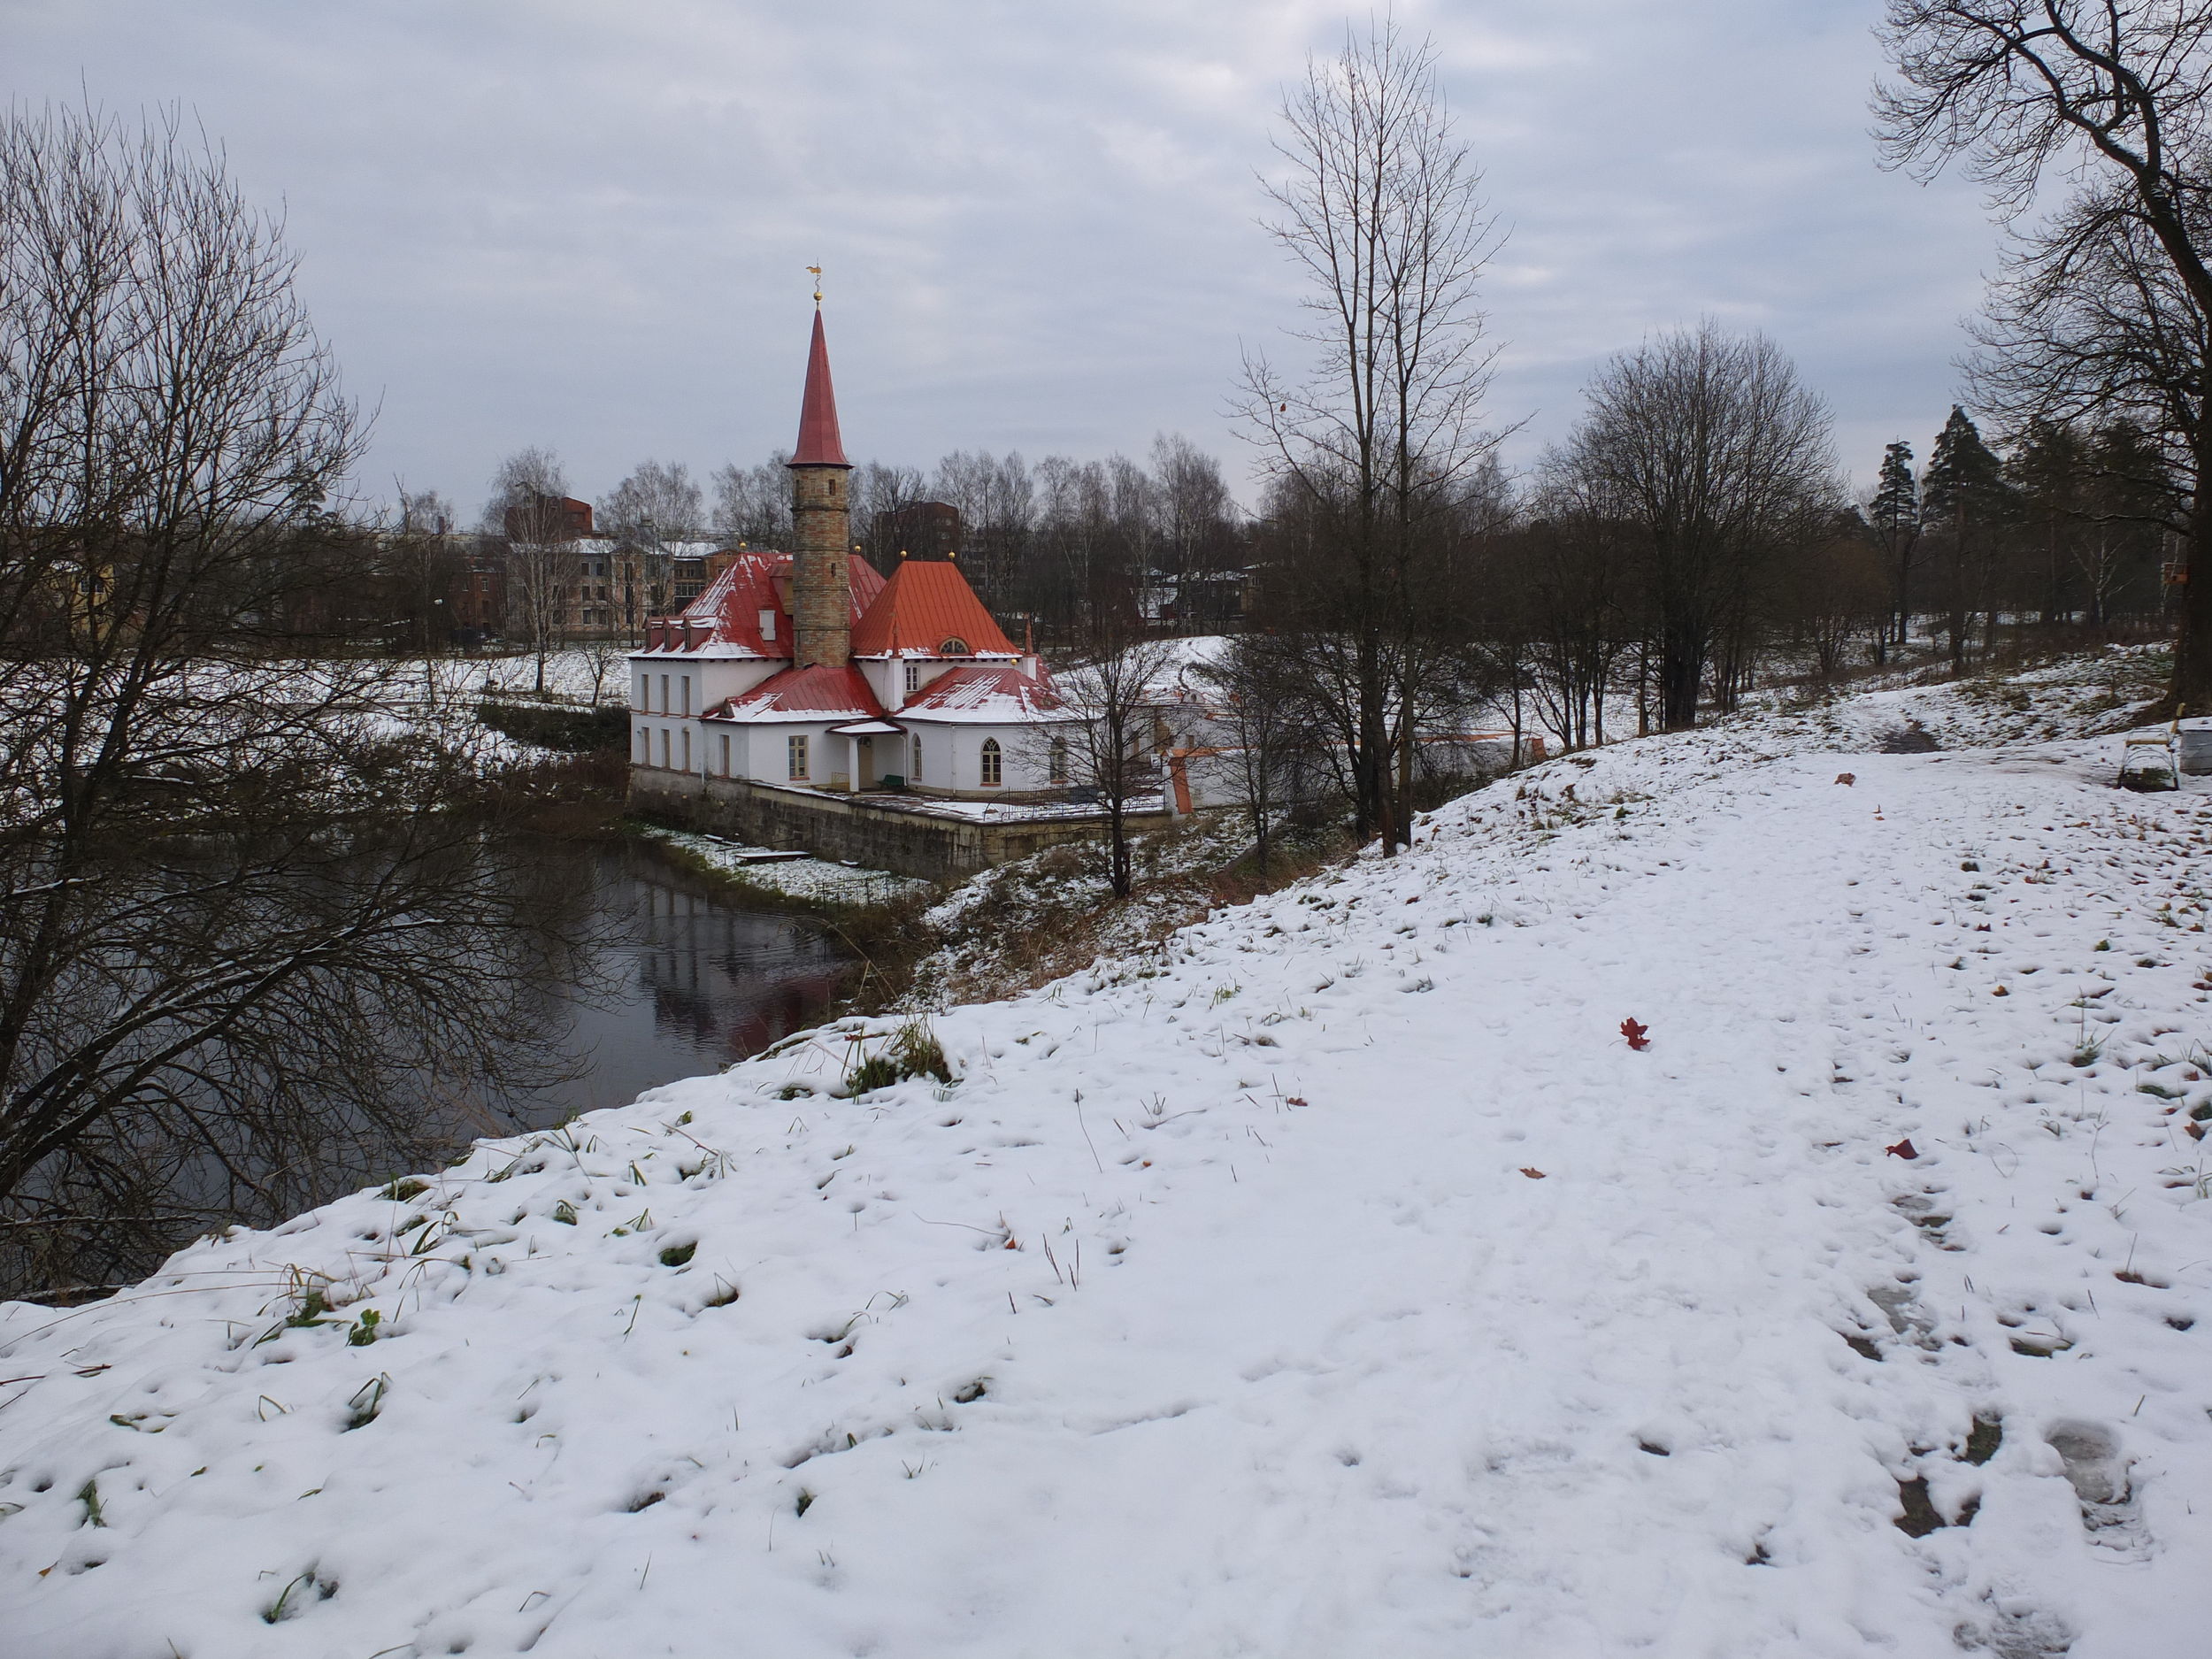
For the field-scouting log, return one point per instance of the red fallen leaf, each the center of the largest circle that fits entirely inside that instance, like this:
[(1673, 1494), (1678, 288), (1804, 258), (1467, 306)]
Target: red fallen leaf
[(1534, 1175), (1634, 1033), (2195, 1131), (1903, 1149), (1296, 1100), (2001, 991), (1847, 777)]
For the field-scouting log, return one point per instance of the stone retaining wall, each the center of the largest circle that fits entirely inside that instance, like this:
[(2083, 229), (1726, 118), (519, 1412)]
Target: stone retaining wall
[(880, 836)]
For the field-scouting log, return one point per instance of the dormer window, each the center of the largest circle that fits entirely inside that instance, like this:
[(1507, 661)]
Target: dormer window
[(954, 647)]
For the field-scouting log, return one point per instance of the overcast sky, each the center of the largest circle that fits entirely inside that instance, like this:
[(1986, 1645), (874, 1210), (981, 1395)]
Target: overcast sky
[(584, 224)]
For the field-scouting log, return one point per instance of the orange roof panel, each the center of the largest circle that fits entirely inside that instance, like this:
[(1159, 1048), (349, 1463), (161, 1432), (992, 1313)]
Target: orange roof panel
[(926, 606)]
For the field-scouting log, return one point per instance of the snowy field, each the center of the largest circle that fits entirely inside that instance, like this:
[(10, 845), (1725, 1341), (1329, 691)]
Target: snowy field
[(1337, 1280)]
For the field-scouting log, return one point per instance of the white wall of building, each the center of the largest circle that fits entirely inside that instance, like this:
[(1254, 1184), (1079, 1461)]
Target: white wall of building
[(680, 685), (952, 758)]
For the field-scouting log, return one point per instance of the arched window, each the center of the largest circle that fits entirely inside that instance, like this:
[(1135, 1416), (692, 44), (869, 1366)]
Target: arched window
[(991, 763), (954, 647), (915, 776)]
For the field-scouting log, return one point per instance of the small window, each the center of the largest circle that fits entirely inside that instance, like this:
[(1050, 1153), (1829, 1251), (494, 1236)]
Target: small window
[(686, 694), (664, 749), (644, 747), (687, 751), (954, 647), (796, 748), (1059, 760), (914, 775), (991, 763), (913, 678), (726, 755), (663, 694)]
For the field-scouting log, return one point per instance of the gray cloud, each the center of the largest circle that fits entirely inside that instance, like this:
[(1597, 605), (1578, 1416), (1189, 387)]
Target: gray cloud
[(584, 224)]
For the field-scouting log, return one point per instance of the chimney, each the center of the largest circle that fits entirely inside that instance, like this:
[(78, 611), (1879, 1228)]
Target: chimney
[(821, 571)]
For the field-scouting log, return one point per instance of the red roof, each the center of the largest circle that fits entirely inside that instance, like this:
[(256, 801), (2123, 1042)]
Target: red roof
[(819, 444), (755, 582), (926, 605), (805, 694), (986, 694)]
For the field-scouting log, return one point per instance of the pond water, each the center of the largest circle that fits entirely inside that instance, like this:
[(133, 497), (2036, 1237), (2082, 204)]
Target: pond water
[(686, 982)]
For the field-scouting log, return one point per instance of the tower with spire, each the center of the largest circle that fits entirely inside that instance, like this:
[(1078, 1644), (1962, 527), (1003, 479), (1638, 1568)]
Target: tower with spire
[(821, 521), (807, 673)]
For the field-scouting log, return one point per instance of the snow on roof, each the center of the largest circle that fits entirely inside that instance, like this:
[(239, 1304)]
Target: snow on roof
[(985, 694), (804, 694), (752, 583), (928, 609)]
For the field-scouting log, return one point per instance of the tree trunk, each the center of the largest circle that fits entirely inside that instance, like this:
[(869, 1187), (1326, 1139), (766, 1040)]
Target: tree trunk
[(1681, 665)]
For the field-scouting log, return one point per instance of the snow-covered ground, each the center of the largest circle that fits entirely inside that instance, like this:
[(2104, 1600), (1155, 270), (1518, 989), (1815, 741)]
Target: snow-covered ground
[(802, 878), (1337, 1280)]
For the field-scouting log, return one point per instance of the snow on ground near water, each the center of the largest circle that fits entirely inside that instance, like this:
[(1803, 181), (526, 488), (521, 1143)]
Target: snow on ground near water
[(802, 878), (1337, 1281)]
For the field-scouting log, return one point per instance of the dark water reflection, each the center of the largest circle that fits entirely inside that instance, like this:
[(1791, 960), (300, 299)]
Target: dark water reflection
[(684, 982), (641, 973)]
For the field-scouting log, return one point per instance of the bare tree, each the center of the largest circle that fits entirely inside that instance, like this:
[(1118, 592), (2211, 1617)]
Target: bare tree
[(1255, 686), (233, 927), (656, 505), (1710, 446), (1113, 702), (996, 502), (1380, 208), (881, 492), (2123, 92), (528, 511), (660, 495), (752, 504), (423, 563), (1570, 581)]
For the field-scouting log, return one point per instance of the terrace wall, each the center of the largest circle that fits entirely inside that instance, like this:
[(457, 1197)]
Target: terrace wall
[(865, 829)]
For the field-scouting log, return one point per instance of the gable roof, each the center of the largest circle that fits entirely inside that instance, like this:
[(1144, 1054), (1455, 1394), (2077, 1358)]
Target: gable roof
[(819, 693), (988, 694), (731, 604), (926, 603)]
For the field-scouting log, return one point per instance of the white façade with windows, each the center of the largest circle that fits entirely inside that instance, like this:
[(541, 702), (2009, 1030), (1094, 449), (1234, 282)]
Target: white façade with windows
[(933, 698)]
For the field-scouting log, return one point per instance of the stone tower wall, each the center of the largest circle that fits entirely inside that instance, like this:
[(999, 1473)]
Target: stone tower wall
[(821, 575)]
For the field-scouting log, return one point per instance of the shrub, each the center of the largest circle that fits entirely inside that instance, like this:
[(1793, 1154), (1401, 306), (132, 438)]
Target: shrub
[(913, 1050)]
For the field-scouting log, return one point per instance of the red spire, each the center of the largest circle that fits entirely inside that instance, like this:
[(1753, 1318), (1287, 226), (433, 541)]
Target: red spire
[(818, 443)]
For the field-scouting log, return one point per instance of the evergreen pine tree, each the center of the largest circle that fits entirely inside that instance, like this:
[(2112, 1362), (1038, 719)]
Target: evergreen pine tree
[(1895, 514), (1962, 501)]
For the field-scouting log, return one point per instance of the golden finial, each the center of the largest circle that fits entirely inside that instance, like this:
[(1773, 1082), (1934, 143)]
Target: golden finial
[(815, 270)]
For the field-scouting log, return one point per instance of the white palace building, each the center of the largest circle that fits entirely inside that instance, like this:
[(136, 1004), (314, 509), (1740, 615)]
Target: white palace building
[(809, 669), (803, 699)]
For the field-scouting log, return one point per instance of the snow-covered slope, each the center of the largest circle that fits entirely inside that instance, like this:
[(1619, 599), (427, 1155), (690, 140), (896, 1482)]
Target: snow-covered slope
[(1339, 1282)]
